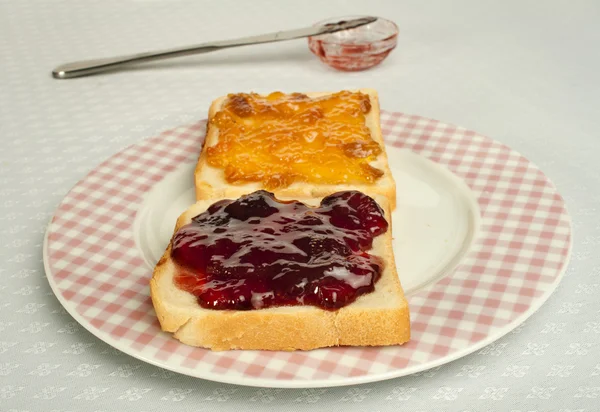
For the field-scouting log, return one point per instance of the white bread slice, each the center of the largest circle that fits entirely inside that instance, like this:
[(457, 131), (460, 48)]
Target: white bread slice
[(375, 319), (211, 184)]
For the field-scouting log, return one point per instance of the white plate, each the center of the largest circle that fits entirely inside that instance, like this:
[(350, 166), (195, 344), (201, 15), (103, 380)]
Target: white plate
[(478, 251), (435, 222)]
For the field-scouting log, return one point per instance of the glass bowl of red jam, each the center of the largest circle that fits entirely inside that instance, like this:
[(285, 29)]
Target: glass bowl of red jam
[(355, 49)]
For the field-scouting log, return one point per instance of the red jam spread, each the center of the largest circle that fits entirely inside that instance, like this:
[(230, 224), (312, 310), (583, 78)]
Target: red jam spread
[(282, 138), (258, 252)]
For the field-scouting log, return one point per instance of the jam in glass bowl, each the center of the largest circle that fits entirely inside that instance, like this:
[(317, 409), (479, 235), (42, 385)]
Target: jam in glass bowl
[(355, 49)]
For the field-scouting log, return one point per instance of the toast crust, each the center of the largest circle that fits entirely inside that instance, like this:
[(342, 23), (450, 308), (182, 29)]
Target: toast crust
[(289, 328), (211, 185)]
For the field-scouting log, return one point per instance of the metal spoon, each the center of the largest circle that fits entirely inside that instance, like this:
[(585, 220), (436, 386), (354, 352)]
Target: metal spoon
[(88, 67)]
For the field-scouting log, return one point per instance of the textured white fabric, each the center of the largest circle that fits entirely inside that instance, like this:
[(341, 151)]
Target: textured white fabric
[(524, 73)]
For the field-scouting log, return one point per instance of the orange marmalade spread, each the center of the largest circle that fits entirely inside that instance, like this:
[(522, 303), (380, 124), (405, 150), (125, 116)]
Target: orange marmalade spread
[(284, 138)]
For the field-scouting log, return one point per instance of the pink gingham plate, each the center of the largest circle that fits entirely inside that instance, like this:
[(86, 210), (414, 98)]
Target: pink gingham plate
[(478, 251)]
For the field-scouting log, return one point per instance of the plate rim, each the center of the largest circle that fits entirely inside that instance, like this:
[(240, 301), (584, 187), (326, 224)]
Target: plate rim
[(309, 383)]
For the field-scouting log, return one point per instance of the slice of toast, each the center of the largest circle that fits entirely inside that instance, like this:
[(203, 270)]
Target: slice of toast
[(210, 181), (375, 319)]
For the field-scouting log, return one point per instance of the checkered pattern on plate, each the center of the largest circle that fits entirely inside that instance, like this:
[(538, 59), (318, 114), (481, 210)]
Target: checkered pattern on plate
[(518, 257)]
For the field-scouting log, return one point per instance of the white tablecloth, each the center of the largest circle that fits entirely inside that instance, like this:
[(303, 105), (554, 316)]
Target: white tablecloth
[(524, 73)]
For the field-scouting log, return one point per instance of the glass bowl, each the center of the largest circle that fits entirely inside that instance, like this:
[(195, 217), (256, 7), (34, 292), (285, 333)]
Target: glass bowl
[(355, 49)]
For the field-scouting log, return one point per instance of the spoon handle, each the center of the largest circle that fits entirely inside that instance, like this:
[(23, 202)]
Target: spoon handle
[(89, 67)]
